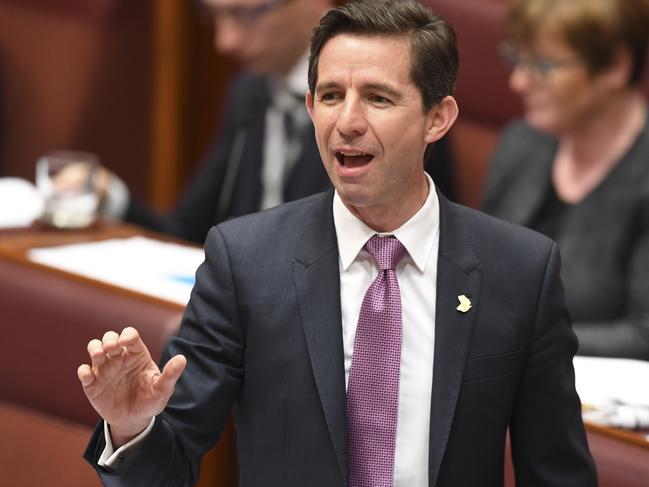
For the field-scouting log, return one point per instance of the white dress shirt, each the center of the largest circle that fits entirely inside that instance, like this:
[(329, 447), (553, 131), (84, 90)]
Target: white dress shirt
[(417, 276)]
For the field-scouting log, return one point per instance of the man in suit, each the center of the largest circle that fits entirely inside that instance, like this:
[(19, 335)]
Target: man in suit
[(265, 153), (375, 335)]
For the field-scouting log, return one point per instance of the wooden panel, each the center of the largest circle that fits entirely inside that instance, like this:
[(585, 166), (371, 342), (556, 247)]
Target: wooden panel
[(189, 82), (75, 80), (471, 144), (168, 48)]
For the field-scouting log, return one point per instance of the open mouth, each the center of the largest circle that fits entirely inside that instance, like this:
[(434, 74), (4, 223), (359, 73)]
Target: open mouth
[(353, 159)]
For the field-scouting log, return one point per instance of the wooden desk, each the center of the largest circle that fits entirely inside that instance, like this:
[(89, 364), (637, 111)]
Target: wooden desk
[(622, 457), (47, 318)]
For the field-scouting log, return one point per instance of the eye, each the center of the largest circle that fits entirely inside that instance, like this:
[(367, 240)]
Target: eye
[(544, 65), (379, 100), (329, 97)]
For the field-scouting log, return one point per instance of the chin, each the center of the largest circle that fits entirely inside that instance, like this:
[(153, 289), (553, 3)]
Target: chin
[(352, 196), (542, 123)]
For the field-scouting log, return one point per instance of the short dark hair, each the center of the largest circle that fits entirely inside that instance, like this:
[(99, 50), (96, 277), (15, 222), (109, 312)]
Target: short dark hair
[(433, 42)]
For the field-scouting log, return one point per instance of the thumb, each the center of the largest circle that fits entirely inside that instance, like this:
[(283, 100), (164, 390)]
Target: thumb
[(172, 371)]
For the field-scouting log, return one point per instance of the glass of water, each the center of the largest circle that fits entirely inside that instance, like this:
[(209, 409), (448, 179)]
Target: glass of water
[(65, 179)]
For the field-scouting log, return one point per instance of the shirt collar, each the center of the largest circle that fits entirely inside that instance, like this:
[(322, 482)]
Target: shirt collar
[(417, 235)]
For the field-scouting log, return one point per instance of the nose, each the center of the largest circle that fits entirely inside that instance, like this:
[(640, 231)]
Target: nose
[(228, 36), (351, 119), (520, 78)]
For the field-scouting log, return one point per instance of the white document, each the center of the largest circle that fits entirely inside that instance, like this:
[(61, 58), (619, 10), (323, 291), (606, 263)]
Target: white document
[(614, 392), (160, 269)]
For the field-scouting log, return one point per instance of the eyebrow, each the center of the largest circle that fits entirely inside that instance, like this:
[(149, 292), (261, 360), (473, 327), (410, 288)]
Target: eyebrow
[(326, 86), (385, 88)]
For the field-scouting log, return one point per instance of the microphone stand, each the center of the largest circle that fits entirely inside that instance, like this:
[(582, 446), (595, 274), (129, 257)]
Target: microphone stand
[(245, 118)]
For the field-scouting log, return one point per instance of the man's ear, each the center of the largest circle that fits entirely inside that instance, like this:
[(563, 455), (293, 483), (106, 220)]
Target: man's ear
[(440, 119), (308, 101)]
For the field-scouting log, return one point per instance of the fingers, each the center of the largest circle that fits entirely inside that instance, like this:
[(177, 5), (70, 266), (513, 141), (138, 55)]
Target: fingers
[(130, 339), (86, 375), (111, 345), (172, 371), (96, 353)]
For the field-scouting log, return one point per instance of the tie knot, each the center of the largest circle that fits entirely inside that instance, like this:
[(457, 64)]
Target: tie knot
[(387, 251)]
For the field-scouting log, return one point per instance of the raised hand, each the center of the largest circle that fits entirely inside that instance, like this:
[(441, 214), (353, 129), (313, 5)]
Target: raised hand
[(124, 385)]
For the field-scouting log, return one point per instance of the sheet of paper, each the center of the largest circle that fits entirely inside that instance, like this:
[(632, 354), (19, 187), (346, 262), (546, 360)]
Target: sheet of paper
[(161, 269), (604, 379), (613, 391)]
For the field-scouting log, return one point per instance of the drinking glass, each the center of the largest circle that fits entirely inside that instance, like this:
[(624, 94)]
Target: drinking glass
[(66, 181)]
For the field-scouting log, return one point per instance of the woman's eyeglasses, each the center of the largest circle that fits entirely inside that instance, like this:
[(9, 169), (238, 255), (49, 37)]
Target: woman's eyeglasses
[(539, 66)]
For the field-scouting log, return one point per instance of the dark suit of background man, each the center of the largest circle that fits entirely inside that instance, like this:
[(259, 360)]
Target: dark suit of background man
[(484, 338), (265, 153)]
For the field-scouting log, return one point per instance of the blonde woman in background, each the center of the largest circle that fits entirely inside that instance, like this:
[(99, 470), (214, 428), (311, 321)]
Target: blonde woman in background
[(577, 167)]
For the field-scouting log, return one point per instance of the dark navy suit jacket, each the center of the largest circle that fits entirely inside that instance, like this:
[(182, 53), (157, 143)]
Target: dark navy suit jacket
[(263, 337)]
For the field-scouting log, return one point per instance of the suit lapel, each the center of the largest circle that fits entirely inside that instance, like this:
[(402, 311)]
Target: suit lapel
[(317, 283), (458, 273)]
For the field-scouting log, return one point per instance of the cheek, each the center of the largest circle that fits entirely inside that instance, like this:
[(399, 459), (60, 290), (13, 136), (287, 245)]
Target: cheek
[(571, 89), (323, 127), (398, 135), (325, 122)]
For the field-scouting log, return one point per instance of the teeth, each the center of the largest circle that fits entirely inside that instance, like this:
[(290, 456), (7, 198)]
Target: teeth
[(353, 154), (353, 158)]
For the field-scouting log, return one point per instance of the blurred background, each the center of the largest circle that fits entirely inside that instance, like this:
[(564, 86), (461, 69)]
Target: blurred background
[(137, 83), (140, 85)]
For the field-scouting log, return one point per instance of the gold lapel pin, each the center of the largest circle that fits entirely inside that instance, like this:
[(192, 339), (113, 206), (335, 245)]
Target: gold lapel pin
[(465, 303)]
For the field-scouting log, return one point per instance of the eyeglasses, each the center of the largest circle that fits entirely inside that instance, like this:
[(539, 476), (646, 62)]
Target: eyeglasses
[(539, 66), (244, 15)]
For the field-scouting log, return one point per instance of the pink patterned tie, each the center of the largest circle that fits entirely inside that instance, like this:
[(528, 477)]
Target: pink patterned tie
[(373, 390)]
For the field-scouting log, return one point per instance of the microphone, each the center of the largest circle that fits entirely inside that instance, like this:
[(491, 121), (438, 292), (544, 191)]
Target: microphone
[(243, 119)]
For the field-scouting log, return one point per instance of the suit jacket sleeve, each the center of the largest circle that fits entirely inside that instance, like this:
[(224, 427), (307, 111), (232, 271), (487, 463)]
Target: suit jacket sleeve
[(213, 341), (549, 447)]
